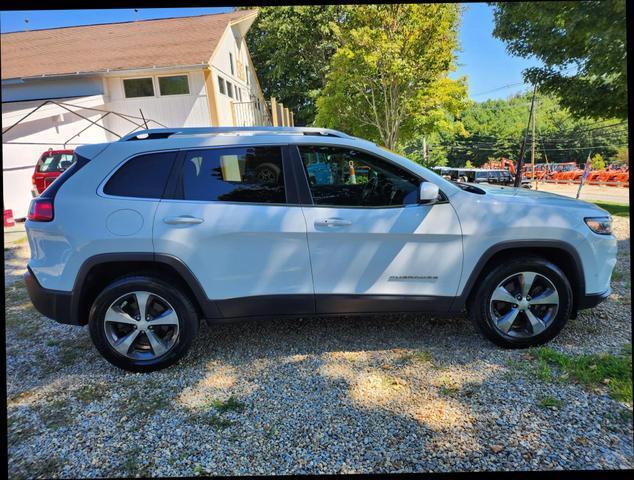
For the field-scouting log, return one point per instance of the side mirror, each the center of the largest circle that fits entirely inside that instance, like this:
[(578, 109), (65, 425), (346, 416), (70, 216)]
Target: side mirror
[(428, 193)]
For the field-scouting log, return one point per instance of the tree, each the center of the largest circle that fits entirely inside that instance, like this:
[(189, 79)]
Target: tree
[(596, 162), (496, 129), (582, 46), (468, 164), (388, 79), (621, 157), (291, 48)]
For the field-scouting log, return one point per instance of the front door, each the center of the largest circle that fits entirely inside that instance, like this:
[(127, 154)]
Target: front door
[(373, 247), (229, 222)]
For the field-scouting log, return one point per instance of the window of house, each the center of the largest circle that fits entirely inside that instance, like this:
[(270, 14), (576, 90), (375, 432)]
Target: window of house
[(239, 93), (231, 63), (221, 85), (341, 176), (246, 75), (174, 85), (138, 87), (230, 89), (153, 169), (244, 174)]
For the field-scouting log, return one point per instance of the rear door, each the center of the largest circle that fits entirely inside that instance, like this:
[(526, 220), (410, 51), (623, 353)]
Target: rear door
[(373, 247), (232, 218)]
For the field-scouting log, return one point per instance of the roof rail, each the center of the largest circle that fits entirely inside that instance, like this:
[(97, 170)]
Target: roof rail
[(158, 133)]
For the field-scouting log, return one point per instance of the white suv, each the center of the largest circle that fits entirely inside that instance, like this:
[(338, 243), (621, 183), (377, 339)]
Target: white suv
[(142, 237)]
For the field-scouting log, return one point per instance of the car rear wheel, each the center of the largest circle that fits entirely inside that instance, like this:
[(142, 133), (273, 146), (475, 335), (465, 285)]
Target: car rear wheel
[(522, 303), (142, 324)]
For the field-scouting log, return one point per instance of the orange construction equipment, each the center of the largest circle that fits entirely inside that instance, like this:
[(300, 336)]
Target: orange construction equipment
[(566, 171)]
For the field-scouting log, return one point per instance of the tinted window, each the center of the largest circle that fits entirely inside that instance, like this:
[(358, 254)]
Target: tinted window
[(55, 162), (138, 87), (144, 176), (344, 177), (221, 85), (244, 174), (176, 85)]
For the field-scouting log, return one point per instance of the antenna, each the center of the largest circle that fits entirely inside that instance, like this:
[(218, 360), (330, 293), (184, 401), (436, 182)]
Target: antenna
[(136, 14), (26, 23)]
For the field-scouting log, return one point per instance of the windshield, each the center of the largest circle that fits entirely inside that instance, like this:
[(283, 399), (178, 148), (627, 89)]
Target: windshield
[(54, 162)]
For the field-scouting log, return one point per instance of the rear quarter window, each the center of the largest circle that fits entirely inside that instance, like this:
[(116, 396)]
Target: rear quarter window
[(144, 176)]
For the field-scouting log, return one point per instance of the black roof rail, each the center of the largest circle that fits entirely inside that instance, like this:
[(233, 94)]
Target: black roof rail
[(160, 133)]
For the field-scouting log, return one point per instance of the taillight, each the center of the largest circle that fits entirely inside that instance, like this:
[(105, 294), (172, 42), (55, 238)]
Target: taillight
[(41, 210)]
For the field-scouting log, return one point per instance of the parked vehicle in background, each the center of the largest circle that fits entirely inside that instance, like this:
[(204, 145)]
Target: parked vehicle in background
[(51, 165), (143, 237), (481, 175)]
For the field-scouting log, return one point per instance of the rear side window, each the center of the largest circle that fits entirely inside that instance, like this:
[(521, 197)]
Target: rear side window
[(242, 174), (54, 162), (144, 176)]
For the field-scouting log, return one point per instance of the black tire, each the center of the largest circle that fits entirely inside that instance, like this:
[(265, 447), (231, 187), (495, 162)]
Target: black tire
[(480, 309), (182, 305), (268, 173)]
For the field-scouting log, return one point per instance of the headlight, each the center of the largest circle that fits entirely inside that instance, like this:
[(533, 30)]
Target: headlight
[(600, 225)]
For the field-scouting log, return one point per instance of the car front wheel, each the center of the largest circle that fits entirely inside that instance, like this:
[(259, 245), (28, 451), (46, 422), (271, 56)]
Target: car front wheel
[(142, 324), (522, 303)]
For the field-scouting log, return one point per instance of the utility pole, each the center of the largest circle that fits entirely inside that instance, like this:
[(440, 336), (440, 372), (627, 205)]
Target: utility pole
[(425, 150), (533, 150), (520, 160)]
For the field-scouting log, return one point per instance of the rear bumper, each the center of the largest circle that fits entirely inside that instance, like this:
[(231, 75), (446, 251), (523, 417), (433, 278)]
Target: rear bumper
[(590, 301), (50, 303)]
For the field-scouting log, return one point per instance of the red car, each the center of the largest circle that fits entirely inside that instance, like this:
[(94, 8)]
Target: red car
[(50, 166)]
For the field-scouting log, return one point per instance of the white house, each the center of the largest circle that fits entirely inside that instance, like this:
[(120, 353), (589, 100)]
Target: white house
[(191, 71)]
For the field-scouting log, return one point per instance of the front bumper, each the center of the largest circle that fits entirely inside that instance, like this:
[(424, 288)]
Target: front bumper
[(591, 301), (50, 303)]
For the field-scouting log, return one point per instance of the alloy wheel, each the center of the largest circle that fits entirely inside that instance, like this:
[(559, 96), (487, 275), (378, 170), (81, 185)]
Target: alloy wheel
[(141, 325), (523, 305)]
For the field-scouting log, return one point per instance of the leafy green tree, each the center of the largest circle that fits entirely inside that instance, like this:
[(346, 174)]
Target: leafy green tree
[(388, 79), (582, 46), (468, 164), (596, 162), (291, 48), (621, 157), (496, 129)]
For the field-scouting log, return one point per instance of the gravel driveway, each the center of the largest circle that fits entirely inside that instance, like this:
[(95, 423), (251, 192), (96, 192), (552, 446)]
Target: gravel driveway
[(335, 395)]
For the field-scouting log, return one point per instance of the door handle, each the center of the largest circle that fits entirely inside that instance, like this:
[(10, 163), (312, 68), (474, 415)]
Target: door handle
[(182, 220), (332, 222)]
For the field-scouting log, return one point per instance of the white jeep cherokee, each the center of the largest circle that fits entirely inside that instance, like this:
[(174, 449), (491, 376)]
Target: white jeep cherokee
[(142, 237)]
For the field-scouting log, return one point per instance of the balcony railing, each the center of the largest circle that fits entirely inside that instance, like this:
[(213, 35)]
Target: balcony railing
[(259, 113)]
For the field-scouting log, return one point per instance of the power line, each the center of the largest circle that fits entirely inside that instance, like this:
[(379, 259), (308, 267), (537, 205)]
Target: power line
[(498, 88)]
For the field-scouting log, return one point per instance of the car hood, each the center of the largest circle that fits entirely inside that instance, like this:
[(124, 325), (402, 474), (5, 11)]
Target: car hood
[(532, 197)]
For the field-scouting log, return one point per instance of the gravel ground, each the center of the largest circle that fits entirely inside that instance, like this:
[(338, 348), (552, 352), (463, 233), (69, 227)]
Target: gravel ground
[(335, 395)]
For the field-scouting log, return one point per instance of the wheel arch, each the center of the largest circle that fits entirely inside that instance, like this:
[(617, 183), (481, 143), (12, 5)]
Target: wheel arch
[(98, 271), (560, 253)]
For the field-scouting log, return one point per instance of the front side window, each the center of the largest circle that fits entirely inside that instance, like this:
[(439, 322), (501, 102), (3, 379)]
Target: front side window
[(231, 63), (221, 86), (144, 176), (55, 162), (174, 85), (241, 174), (138, 87), (340, 176), (230, 89)]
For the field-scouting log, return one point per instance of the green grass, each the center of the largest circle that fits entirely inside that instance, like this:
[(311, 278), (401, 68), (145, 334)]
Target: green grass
[(617, 275), (232, 404), (615, 209), (550, 402), (591, 371), (91, 392)]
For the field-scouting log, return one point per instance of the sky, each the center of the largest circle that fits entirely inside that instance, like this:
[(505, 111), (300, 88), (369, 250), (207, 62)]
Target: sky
[(491, 72)]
